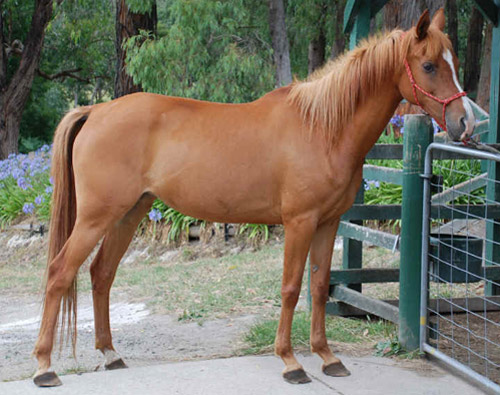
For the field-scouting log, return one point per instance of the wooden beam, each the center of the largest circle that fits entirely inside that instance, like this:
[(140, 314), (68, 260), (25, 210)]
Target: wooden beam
[(373, 236), (386, 151), (458, 190), (350, 13), (489, 9), (384, 174), (373, 211), (352, 276), (355, 276), (475, 304), (366, 303)]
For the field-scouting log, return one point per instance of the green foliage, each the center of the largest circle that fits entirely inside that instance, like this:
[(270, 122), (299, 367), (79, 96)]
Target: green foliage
[(140, 6), (25, 187), (261, 336), (210, 50), (79, 39), (178, 222), (255, 231)]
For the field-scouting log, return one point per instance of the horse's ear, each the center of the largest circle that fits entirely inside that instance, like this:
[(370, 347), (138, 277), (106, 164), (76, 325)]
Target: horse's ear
[(423, 24), (438, 19)]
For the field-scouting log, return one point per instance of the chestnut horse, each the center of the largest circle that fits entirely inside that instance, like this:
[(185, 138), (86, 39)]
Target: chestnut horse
[(293, 157)]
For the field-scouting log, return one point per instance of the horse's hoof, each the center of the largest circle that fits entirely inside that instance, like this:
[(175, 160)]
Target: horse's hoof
[(336, 369), (47, 379), (296, 377), (118, 364)]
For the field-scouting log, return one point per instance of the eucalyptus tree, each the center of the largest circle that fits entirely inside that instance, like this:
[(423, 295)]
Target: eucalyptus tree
[(20, 50), (207, 50)]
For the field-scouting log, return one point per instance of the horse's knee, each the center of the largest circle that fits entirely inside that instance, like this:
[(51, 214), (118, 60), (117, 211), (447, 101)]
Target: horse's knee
[(320, 292), (290, 294)]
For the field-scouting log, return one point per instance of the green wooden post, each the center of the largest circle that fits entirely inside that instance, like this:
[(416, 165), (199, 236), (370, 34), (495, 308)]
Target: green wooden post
[(492, 250), (418, 135), (352, 253), (361, 27)]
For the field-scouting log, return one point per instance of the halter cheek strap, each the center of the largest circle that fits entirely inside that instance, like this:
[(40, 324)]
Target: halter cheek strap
[(444, 102)]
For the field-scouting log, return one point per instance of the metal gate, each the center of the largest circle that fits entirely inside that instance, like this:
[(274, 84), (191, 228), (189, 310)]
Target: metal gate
[(460, 306)]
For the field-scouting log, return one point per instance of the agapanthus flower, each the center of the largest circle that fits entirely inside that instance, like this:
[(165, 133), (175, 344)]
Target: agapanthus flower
[(369, 184), (22, 183), (155, 215), (28, 208)]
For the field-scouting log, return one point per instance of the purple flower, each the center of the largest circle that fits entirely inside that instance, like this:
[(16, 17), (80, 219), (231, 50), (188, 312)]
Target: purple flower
[(39, 200), (369, 184), (51, 180), (22, 183), (397, 121), (436, 127), (16, 173), (155, 215), (49, 189), (28, 208)]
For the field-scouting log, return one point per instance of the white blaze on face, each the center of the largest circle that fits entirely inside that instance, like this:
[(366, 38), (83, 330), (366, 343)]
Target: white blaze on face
[(468, 109)]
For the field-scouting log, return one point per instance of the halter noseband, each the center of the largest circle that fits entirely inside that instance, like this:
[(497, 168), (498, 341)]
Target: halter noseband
[(444, 102)]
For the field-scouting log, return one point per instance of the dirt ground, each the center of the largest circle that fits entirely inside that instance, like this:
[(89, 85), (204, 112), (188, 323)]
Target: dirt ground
[(146, 328), (142, 333), (472, 339)]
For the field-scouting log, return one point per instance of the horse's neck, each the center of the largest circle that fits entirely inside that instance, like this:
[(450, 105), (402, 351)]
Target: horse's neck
[(369, 120)]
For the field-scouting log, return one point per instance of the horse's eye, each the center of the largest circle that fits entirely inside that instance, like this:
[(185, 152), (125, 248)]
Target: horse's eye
[(428, 67)]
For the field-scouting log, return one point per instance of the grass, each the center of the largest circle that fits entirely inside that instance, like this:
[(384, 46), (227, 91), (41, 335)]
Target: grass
[(260, 338), (206, 287)]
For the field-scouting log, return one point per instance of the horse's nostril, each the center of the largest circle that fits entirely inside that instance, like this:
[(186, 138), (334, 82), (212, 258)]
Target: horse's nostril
[(462, 123)]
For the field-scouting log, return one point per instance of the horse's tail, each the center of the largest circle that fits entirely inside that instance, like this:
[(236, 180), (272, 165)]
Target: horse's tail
[(63, 209)]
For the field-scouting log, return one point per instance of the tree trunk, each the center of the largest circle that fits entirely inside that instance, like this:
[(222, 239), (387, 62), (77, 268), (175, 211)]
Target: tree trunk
[(15, 93), (317, 46), (338, 45), (127, 25), (452, 20), (392, 14), (434, 5), (483, 91), (316, 53), (410, 12), (473, 53), (279, 40)]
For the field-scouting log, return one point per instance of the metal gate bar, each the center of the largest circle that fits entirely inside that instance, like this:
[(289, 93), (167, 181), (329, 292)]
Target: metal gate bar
[(433, 330)]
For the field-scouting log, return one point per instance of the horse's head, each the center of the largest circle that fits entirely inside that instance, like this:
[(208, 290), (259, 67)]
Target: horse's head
[(429, 76)]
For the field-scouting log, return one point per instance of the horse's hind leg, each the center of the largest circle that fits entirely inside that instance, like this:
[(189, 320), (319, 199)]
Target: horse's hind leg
[(103, 271), (61, 273), (320, 262)]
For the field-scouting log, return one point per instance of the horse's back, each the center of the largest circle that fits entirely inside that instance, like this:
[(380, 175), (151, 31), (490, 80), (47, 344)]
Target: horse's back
[(231, 156)]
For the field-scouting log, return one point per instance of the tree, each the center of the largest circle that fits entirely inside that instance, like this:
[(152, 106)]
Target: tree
[(317, 45), (130, 20), (452, 23), (392, 14), (281, 53), (15, 87), (210, 51), (483, 91), (339, 40), (473, 51)]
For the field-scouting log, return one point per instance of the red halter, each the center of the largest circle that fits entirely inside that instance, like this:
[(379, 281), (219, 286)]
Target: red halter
[(444, 102)]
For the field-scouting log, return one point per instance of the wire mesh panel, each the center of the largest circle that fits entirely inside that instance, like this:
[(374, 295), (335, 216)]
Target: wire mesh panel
[(461, 262)]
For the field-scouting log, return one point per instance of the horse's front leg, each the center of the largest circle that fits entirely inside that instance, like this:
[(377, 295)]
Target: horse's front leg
[(298, 235), (320, 262)]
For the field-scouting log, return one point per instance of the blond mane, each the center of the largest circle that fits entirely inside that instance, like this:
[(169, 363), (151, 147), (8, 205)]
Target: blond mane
[(328, 98)]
